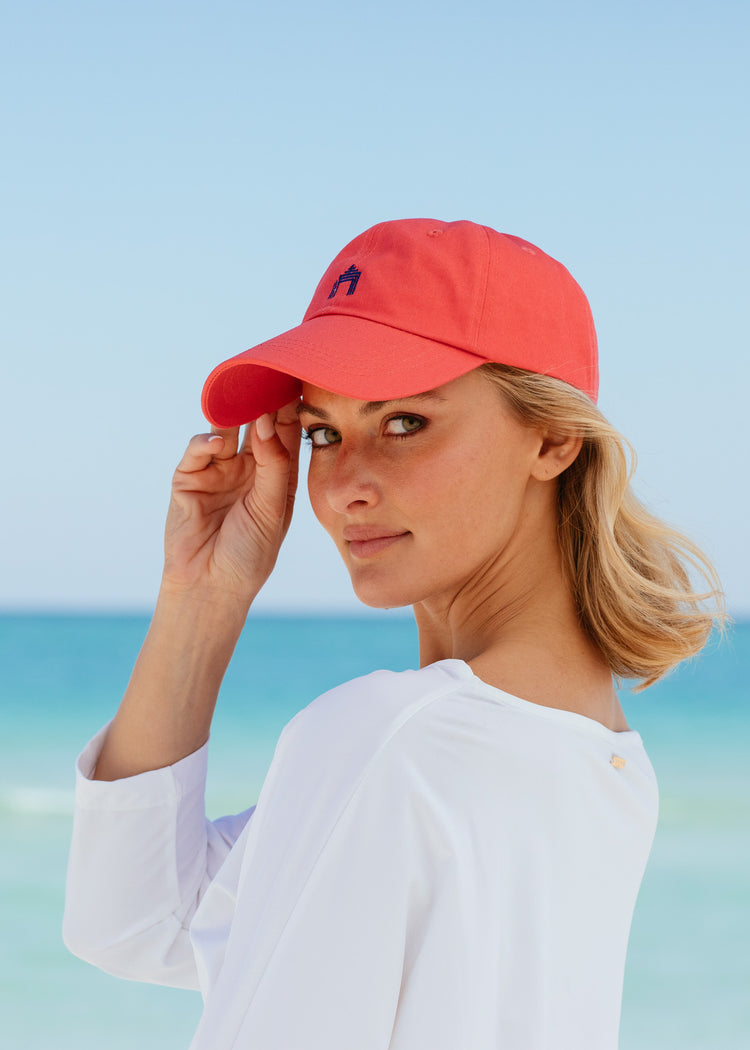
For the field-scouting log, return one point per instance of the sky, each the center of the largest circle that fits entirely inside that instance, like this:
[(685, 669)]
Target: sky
[(177, 176)]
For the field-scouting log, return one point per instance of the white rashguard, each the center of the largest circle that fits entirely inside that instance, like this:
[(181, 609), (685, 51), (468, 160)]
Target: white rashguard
[(432, 864)]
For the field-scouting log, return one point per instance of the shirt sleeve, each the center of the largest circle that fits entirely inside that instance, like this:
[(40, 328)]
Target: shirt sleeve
[(322, 964), (141, 857)]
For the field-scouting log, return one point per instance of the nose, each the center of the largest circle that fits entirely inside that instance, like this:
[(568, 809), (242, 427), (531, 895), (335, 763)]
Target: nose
[(351, 483)]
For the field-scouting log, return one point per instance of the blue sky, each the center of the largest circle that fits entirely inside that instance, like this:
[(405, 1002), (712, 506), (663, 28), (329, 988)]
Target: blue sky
[(176, 176)]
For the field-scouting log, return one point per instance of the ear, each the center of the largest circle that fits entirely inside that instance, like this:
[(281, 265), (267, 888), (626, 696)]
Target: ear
[(556, 452)]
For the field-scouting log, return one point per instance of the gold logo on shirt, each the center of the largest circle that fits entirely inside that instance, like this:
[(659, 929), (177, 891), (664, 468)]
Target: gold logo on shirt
[(617, 762)]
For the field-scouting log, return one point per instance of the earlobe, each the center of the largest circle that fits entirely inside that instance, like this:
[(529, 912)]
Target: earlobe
[(556, 453)]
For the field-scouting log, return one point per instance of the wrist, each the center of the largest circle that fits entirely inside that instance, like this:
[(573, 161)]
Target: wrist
[(205, 621), (203, 600)]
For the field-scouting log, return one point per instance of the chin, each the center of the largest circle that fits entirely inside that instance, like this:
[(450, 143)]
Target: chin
[(384, 596), (381, 600), (380, 594)]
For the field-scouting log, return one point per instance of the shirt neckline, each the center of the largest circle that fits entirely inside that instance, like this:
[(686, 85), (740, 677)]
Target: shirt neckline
[(460, 669)]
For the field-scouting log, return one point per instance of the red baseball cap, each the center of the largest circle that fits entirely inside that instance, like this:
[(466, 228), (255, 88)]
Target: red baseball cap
[(412, 304)]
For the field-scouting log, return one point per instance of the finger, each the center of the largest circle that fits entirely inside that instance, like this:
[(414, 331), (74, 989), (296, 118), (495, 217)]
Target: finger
[(282, 426), (270, 493), (284, 423), (231, 437), (289, 431), (265, 426), (288, 428), (289, 413), (201, 450)]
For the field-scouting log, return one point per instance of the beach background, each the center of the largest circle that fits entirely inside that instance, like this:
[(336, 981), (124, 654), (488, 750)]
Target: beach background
[(176, 176)]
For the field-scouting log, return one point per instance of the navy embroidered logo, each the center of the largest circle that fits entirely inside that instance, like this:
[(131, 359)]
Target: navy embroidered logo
[(352, 275)]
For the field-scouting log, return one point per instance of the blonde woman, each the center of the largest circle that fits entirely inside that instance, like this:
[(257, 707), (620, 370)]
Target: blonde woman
[(440, 859)]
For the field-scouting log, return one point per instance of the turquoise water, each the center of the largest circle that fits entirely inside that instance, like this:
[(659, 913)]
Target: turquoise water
[(689, 964)]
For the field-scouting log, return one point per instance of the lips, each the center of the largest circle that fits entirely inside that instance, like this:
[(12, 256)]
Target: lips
[(365, 541)]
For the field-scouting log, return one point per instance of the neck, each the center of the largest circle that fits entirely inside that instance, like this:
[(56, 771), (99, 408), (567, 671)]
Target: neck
[(513, 602), (518, 629)]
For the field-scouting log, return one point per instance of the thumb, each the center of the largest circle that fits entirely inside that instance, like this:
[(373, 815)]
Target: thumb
[(268, 499)]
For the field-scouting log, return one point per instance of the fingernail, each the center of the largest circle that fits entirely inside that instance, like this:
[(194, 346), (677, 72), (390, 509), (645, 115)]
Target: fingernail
[(264, 427), (216, 437)]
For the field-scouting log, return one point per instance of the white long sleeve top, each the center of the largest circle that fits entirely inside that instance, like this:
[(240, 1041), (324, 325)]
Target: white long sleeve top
[(432, 864)]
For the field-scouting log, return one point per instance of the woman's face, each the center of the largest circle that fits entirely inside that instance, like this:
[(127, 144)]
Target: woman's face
[(426, 495)]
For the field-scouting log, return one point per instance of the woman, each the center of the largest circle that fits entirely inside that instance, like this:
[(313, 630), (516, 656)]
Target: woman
[(445, 858)]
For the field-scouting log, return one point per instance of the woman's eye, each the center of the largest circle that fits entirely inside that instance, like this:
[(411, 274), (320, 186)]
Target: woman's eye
[(321, 437), (401, 425)]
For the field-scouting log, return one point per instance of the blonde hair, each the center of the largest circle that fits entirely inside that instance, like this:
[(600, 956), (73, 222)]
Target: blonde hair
[(630, 572)]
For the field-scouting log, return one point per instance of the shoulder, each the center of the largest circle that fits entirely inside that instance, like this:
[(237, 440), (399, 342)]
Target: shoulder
[(351, 739), (438, 756), (442, 726), (368, 712), (341, 762)]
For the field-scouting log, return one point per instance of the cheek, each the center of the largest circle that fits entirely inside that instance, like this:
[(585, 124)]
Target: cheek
[(481, 496), (317, 494), (314, 492)]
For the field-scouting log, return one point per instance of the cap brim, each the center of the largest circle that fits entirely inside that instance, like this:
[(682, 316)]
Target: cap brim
[(344, 354)]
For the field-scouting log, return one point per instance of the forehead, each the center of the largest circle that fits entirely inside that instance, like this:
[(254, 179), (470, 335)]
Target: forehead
[(467, 389), (316, 401)]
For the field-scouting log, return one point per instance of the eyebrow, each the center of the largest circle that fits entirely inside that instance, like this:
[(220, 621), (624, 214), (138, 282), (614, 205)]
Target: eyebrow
[(369, 407)]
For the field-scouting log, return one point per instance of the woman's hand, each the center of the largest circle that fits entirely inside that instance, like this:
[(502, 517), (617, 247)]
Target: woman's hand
[(230, 510), (231, 507)]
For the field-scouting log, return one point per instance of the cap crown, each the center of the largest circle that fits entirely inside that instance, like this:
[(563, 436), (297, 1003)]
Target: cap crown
[(467, 286)]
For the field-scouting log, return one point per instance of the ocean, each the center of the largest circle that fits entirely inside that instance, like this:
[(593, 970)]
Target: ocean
[(688, 976)]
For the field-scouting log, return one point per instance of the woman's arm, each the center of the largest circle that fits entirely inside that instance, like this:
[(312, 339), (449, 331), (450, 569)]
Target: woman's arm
[(230, 509), (142, 852)]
